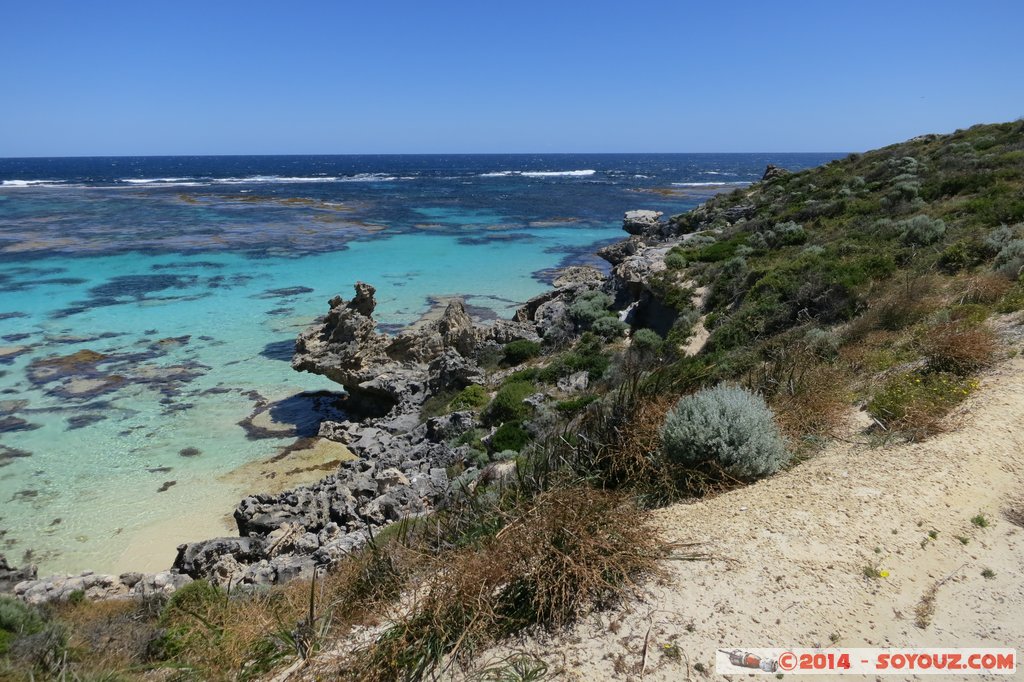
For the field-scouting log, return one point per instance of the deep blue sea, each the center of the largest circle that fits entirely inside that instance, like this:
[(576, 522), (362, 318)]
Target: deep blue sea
[(148, 308)]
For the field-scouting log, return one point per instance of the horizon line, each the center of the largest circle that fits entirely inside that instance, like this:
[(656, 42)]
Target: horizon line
[(294, 154)]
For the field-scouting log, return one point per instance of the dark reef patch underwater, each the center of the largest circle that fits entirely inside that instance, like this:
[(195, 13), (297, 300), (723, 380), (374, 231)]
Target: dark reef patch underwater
[(149, 306)]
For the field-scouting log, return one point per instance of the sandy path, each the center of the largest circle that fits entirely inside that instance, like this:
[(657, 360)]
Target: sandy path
[(789, 555)]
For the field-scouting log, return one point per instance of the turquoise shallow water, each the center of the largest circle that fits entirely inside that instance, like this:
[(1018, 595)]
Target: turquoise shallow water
[(101, 479), (149, 306)]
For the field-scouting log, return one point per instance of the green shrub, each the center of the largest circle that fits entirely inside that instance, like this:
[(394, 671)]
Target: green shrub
[(789, 233), (727, 426), (472, 438), (489, 356), (517, 352), (509, 436), (508, 404), (17, 619), (437, 404), (1010, 259), (198, 597), (675, 260), (961, 255), (921, 230), (647, 342), (970, 313), (472, 397), (719, 251), (586, 355), (528, 374), (574, 405), (1013, 300), (609, 327), (914, 403), (589, 307)]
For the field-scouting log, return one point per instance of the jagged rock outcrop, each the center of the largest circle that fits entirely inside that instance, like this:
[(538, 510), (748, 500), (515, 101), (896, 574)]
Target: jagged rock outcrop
[(100, 586), (642, 222), (11, 576), (773, 172), (620, 251), (388, 374), (547, 311)]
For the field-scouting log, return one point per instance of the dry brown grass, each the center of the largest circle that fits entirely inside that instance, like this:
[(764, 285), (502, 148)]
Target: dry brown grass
[(815, 404), (808, 394), (242, 635), (958, 347), (571, 549), (925, 609), (1015, 512), (902, 305), (983, 288), (634, 459)]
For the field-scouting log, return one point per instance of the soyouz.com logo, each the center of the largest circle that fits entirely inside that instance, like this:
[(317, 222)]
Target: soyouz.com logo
[(867, 661)]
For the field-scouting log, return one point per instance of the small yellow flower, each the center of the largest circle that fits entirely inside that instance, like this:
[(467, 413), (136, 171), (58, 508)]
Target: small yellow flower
[(884, 574)]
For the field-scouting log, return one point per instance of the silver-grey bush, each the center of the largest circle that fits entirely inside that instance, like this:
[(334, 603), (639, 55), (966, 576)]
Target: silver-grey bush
[(727, 425)]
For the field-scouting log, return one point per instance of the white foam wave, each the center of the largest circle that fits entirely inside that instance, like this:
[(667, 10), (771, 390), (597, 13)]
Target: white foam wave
[(155, 181), (283, 180), (267, 179), (707, 184), (30, 183), (556, 174), (541, 174), (371, 177)]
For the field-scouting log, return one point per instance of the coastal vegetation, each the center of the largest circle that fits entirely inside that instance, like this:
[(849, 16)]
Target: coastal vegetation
[(872, 283)]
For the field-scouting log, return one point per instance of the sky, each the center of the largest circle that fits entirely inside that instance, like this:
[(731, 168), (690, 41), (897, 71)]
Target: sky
[(496, 76)]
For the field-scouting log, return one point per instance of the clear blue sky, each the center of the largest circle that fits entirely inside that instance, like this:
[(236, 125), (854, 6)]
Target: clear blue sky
[(220, 77)]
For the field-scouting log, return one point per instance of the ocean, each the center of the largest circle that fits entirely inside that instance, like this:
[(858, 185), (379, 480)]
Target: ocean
[(149, 308)]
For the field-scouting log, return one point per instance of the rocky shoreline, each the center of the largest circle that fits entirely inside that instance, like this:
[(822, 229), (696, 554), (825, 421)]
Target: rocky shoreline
[(406, 466)]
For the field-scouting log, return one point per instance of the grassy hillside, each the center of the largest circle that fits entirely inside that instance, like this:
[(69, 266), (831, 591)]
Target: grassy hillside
[(866, 279), (876, 281)]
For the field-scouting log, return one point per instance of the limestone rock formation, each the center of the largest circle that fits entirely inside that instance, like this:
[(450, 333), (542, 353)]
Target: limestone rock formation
[(773, 172), (642, 222)]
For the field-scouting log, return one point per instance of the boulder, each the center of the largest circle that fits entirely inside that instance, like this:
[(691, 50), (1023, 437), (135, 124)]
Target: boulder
[(642, 222), (773, 172), (196, 559), (11, 576), (620, 251)]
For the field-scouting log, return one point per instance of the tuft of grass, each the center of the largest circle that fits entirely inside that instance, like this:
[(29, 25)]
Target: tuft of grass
[(958, 347), (980, 521), (515, 668), (1015, 513), (566, 551), (873, 572), (988, 573), (925, 609)]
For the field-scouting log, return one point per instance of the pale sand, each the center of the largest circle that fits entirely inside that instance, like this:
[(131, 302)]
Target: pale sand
[(788, 556), (154, 547), (313, 459)]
